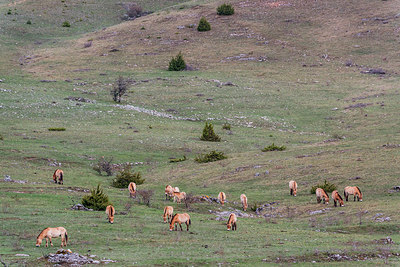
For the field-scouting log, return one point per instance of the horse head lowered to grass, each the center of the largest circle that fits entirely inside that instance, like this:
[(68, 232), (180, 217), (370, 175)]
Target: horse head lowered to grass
[(180, 218), (49, 233)]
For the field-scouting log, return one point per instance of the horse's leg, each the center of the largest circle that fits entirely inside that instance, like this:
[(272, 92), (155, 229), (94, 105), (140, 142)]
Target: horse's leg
[(334, 203), (180, 224), (354, 197), (47, 242), (187, 225), (291, 192)]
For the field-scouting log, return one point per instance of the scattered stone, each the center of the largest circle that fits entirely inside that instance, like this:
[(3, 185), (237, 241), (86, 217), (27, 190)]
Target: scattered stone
[(79, 99), (374, 71), (228, 84), (22, 255), (319, 211), (114, 50), (385, 241), (48, 81), (397, 187), (7, 178), (383, 219), (266, 172), (181, 27), (267, 205), (67, 257), (359, 105), (355, 178), (257, 174), (80, 207), (1, 80)]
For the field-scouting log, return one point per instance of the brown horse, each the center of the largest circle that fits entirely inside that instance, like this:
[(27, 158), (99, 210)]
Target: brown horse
[(243, 199), (168, 210), (179, 196), (180, 218), (337, 198), (110, 211), (58, 174), (222, 198), (293, 188), (232, 222), (169, 190), (353, 190), (49, 233), (321, 195), (132, 189)]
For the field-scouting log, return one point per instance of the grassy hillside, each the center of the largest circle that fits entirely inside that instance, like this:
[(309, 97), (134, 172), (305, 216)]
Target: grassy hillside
[(293, 73)]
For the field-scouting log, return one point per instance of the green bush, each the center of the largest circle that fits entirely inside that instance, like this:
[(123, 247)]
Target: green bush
[(1, 137), (225, 10), (204, 26), (66, 24), (97, 200), (57, 129), (273, 147), (29, 22), (209, 134), (210, 157), (125, 177), (177, 63), (327, 186), (177, 159), (226, 126)]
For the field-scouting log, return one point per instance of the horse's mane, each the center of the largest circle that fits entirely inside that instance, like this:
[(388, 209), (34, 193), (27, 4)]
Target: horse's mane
[(41, 233), (173, 217), (359, 189), (339, 196)]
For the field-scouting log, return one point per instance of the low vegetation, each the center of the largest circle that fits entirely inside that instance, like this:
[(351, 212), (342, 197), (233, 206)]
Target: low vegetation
[(209, 134), (204, 25), (96, 200), (177, 63), (104, 165), (133, 10), (66, 24), (57, 129), (273, 147), (145, 196), (225, 10), (119, 89), (210, 157), (327, 186), (175, 160), (126, 176)]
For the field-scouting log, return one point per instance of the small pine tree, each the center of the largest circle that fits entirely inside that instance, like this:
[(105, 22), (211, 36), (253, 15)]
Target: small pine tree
[(97, 200), (177, 63), (209, 134), (125, 176), (225, 10), (204, 26)]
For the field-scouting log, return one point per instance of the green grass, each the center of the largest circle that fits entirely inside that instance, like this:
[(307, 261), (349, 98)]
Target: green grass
[(298, 97)]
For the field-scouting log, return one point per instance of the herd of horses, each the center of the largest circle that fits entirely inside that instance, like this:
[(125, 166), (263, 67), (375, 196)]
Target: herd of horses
[(184, 218)]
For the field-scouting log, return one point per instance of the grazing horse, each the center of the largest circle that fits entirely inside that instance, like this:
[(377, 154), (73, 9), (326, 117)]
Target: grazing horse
[(232, 222), (168, 192), (352, 190), (293, 188), (222, 198), (110, 211), (58, 174), (337, 198), (180, 218), (321, 195), (49, 233), (179, 196), (168, 210), (132, 189), (243, 199)]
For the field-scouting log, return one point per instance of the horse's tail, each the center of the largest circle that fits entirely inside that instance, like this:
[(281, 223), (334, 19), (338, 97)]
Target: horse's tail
[(61, 176), (66, 237), (54, 175), (190, 221)]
